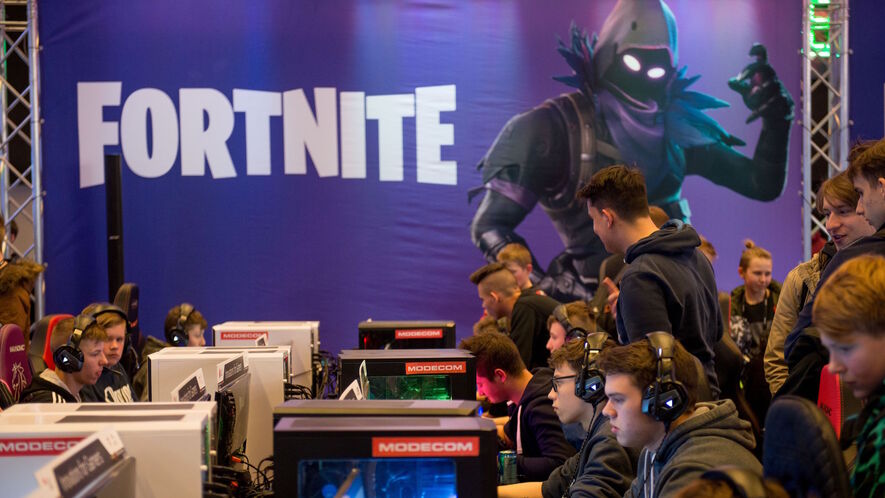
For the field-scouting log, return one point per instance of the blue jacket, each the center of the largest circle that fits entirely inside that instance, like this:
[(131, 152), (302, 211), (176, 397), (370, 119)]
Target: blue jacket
[(669, 286)]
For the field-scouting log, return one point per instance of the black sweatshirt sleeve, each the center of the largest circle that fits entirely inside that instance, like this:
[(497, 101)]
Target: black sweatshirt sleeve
[(541, 422)]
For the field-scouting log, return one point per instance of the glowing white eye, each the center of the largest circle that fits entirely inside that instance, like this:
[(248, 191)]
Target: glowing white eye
[(632, 63), (656, 72)]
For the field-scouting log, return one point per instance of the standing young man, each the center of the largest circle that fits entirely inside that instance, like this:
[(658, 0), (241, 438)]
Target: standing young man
[(866, 170), (533, 430), (669, 284), (652, 405), (113, 385), (603, 468), (62, 385), (526, 312)]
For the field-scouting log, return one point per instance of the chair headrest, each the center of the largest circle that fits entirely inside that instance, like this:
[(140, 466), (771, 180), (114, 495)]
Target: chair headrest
[(41, 345), (14, 367)]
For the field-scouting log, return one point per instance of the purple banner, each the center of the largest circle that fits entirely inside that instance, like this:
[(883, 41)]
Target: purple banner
[(312, 160)]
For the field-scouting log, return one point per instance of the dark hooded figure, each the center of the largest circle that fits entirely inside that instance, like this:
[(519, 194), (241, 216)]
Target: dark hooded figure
[(632, 106)]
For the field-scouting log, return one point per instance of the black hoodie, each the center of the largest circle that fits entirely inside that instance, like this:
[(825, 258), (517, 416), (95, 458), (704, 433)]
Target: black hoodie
[(46, 388), (714, 436), (669, 286), (544, 446)]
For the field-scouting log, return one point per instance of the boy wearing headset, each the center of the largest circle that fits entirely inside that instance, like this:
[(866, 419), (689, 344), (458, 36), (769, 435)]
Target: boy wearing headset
[(78, 352), (113, 385), (184, 326), (567, 319), (603, 468), (652, 390)]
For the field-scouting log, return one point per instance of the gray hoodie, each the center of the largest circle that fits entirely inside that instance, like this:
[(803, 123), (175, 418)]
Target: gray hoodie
[(712, 437)]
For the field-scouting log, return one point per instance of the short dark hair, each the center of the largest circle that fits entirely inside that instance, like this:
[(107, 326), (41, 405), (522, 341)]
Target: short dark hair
[(195, 318), (572, 354), (494, 351), (639, 362), (495, 277), (867, 159), (620, 189)]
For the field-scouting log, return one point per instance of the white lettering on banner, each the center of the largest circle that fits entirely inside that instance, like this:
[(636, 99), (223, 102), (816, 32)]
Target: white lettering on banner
[(164, 132), (200, 128), (92, 130), (258, 107), (201, 140)]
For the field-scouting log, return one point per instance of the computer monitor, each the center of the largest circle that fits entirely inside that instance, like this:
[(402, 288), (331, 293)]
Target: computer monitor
[(406, 334), (412, 373), (385, 456), (301, 336)]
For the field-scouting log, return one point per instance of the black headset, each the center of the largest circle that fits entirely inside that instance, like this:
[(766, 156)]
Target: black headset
[(590, 384), (571, 331), (743, 483), (176, 335), (665, 399), (69, 358)]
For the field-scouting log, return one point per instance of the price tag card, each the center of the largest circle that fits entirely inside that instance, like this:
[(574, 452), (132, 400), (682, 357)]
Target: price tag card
[(78, 467), (230, 370), (192, 388)]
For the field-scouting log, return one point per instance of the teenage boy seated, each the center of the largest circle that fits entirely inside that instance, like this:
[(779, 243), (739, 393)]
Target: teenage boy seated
[(184, 326), (652, 388), (78, 351), (602, 468), (501, 376), (569, 321), (848, 314), (113, 385), (517, 258), (526, 312)]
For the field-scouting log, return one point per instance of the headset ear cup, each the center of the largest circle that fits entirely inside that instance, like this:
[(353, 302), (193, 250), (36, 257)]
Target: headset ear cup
[(666, 403), (177, 337), (68, 359), (592, 386)]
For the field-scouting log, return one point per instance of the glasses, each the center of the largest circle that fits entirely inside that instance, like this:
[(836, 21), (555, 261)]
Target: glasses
[(557, 380)]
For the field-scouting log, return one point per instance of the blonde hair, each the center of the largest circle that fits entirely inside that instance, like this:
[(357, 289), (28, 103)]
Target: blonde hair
[(852, 299), (517, 253), (752, 251), (106, 320), (64, 329)]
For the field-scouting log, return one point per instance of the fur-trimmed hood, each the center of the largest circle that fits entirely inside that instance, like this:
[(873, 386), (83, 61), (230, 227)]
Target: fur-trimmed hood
[(22, 272)]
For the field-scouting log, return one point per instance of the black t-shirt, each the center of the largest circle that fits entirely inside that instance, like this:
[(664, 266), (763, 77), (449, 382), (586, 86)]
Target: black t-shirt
[(528, 328), (755, 313), (112, 387)]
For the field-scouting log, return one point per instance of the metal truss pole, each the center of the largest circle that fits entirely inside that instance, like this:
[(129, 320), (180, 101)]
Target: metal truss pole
[(825, 132), (21, 197)]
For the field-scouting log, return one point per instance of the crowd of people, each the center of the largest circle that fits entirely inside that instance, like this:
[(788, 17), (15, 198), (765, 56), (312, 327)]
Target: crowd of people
[(647, 389), (667, 380)]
